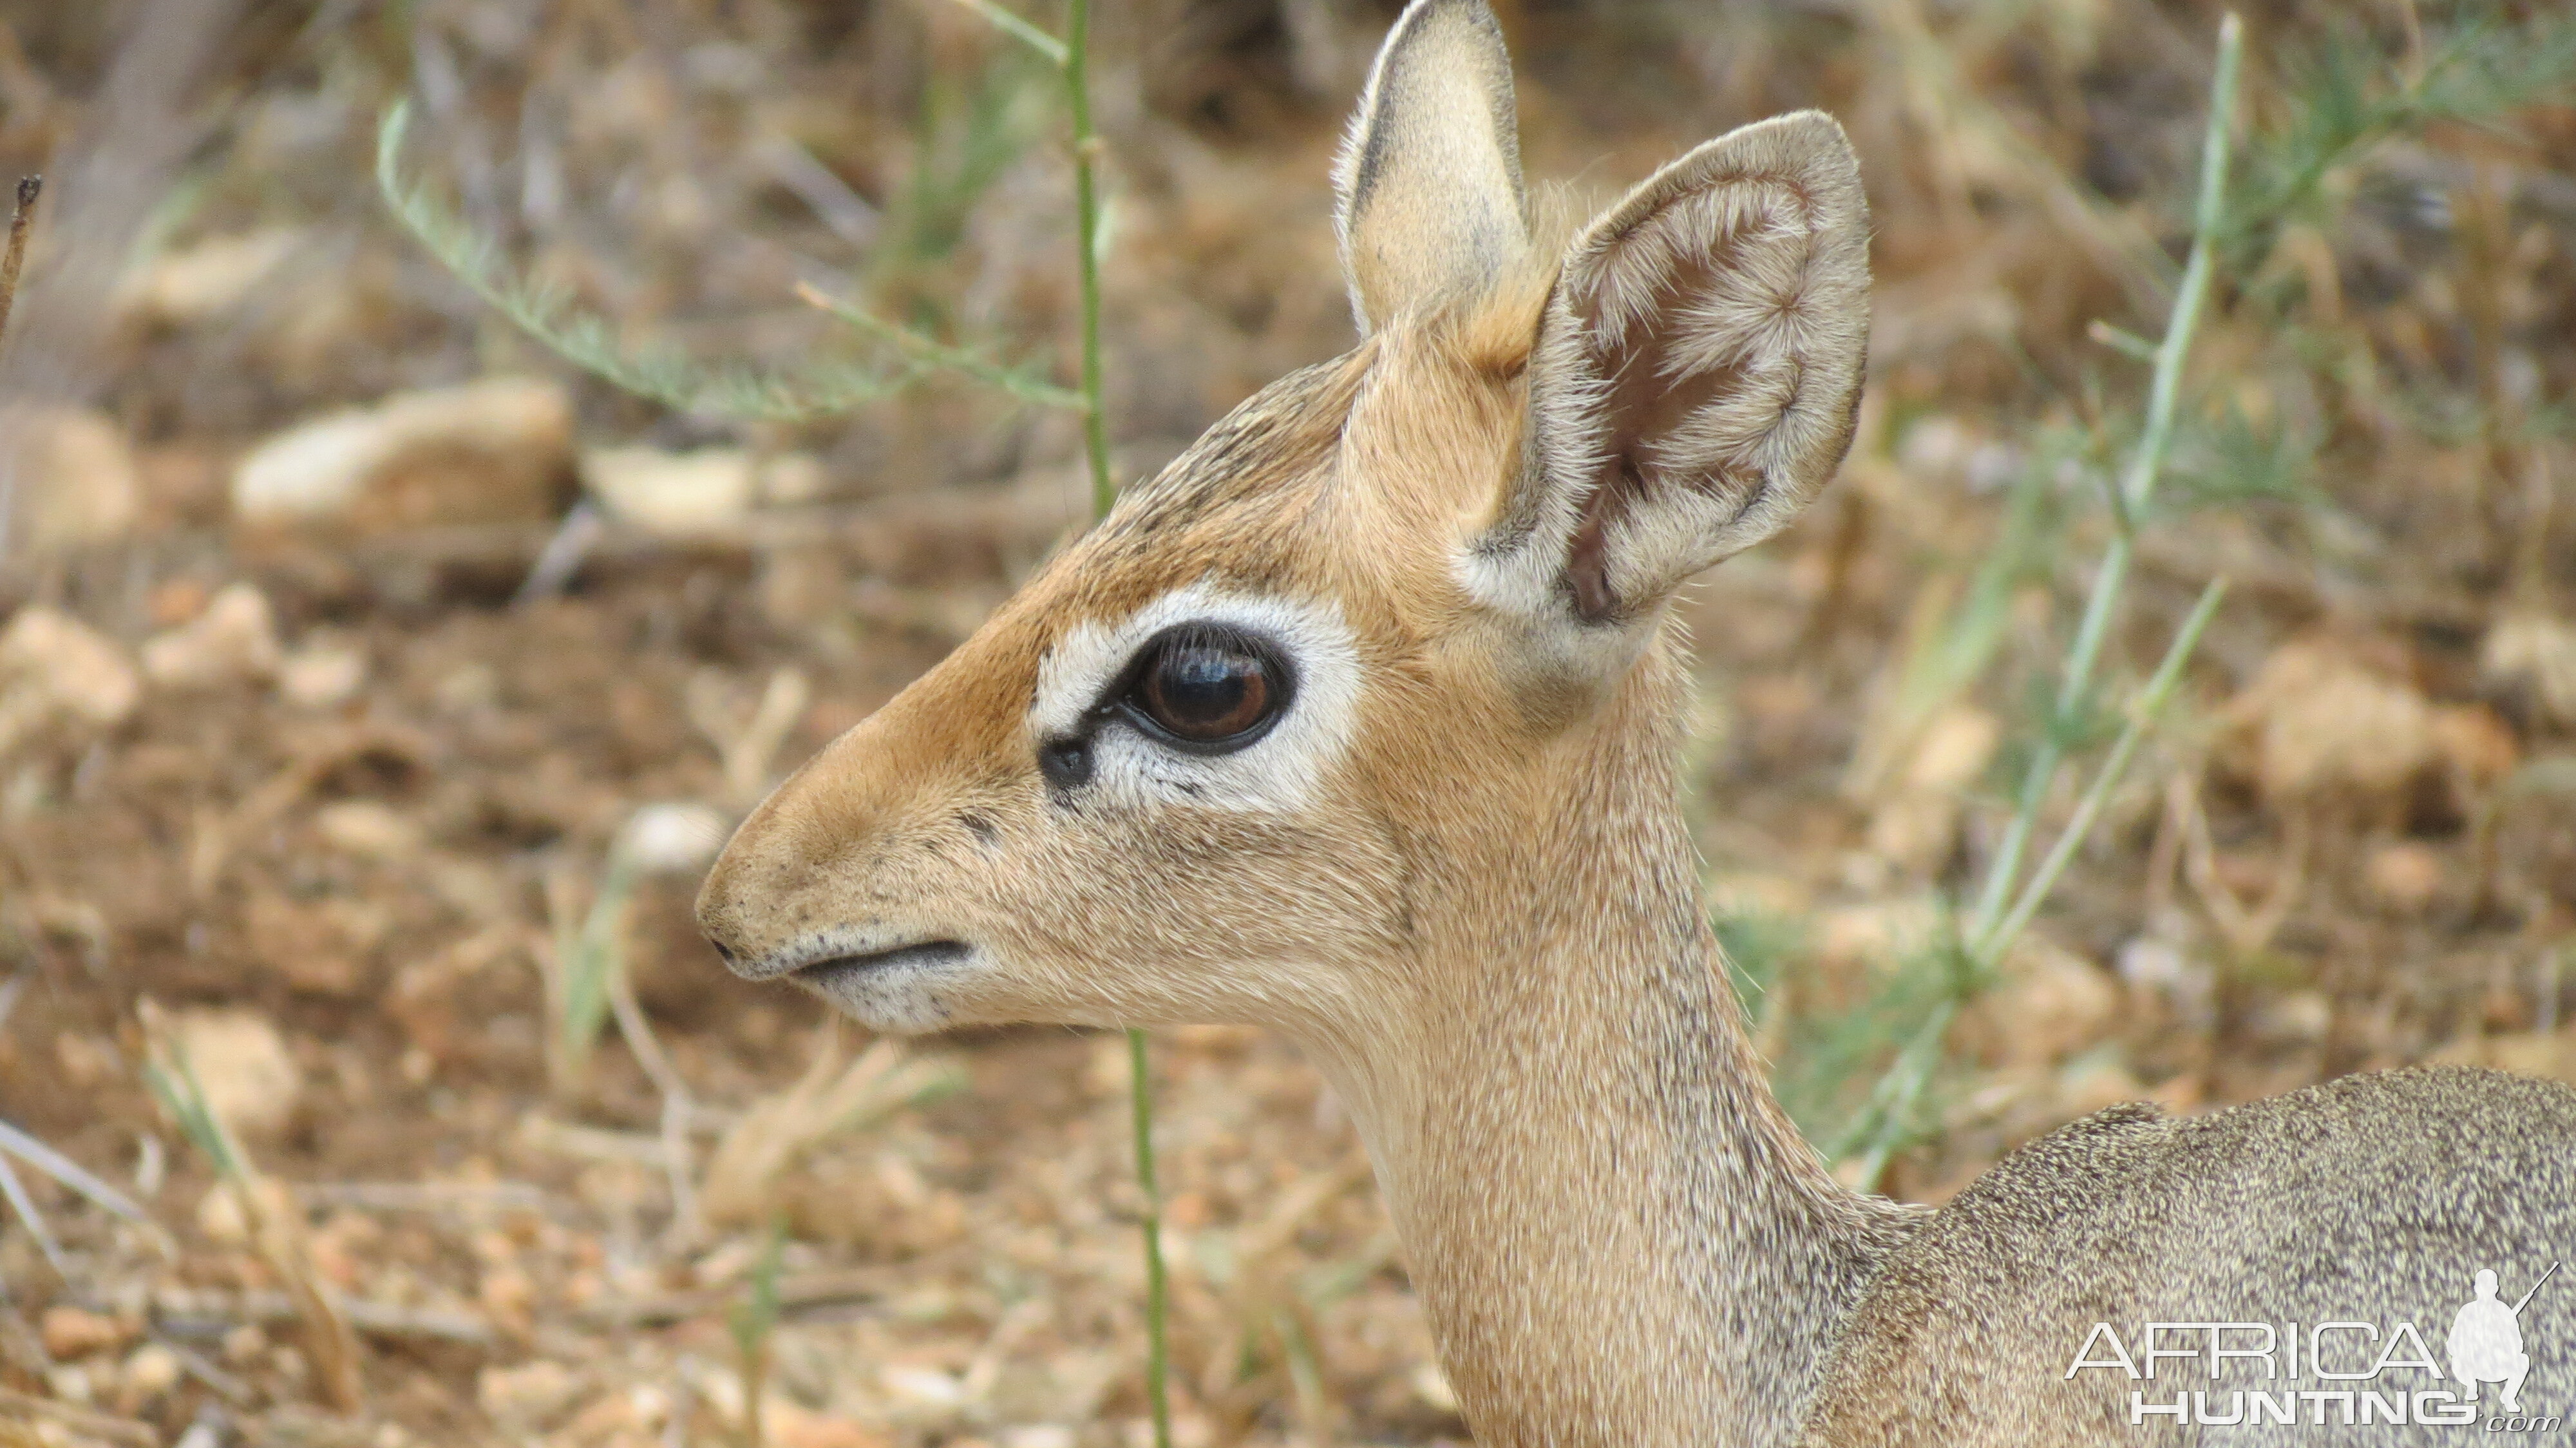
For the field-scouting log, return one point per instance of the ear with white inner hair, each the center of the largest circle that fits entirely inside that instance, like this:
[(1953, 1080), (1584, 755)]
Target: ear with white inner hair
[(1695, 379), (1429, 180)]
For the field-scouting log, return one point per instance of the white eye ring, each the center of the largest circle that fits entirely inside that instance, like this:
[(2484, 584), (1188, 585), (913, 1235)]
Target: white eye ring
[(1092, 734)]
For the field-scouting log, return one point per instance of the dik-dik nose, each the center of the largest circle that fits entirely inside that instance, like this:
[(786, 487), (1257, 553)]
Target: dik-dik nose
[(725, 908), (768, 891)]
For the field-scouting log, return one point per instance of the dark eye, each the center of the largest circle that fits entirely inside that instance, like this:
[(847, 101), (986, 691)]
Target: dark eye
[(1216, 688)]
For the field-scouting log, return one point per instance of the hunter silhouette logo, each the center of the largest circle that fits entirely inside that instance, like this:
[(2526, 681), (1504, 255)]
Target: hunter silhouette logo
[(2486, 1340), (2336, 1373)]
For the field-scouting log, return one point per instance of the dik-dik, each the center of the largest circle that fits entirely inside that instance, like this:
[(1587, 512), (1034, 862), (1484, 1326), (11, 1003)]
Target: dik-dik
[(1360, 722)]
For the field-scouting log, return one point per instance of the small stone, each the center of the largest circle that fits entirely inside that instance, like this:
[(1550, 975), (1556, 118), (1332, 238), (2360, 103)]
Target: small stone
[(77, 483), (2325, 722), (234, 640), (368, 829), (676, 839), (2049, 1006), (203, 281), (73, 1332), (527, 1398), (2404, 876), (54, 668), (791, 1426), (494, 451), (702, 494), (221, 1218), (923, 1389), (2534, 655), (150, 1371), (322, 675), (241, 1064)]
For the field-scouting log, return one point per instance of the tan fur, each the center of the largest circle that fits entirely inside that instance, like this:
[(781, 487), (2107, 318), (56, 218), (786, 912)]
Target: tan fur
[(1457, 875)]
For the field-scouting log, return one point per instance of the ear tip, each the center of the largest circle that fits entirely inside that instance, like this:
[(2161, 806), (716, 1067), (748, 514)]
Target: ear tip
[(1810, 144)]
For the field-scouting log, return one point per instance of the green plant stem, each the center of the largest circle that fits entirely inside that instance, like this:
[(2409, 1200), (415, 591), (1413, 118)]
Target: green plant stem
[(1157, 1289), (2137, 486), (1086, 204), (1880, 1128), (1104, 493)]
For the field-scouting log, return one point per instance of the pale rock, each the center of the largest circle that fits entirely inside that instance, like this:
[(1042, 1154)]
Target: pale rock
[(77, 481), (205, 280), (220, 1218), (923, 1390), (528, 1397), (241, 1065), (2475, 742), (74, 1332), (493, 451), (320, 675), (56, 669), (1917, 823), (707, 493), (2534, 653), (790, 1425), (2405, 876), (2324, 722), (367, 829), (679, 838), (234, 640), (2050, 1005), (149, 1372), (71, 1384)]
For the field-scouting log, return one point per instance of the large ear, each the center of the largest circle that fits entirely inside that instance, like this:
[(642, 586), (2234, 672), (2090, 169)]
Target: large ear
[(1695, 378), (1429, 180)]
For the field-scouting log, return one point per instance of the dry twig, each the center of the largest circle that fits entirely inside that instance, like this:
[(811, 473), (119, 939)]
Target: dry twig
[(14, 260)]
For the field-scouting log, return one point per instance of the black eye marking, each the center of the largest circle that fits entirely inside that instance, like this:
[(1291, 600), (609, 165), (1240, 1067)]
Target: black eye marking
[(1066, 763), (1204, 688)]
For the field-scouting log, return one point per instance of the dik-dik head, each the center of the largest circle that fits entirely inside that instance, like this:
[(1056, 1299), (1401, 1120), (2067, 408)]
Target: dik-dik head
[(1234, 754)]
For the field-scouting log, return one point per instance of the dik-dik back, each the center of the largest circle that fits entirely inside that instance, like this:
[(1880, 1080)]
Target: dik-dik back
[(2329, 1240)]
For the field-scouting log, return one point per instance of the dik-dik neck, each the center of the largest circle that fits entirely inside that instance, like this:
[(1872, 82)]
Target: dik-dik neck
[(1619, 1237)]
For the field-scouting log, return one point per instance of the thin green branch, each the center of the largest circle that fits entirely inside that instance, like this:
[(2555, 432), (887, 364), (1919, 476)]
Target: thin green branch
[(2137, 487), (546, 313), (2151, 702), (1015, 381)]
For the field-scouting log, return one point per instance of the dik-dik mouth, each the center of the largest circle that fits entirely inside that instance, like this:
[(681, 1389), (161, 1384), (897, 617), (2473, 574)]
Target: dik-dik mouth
[(839, 970), (821, 963)]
